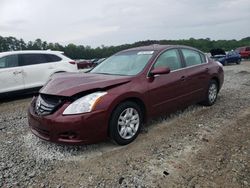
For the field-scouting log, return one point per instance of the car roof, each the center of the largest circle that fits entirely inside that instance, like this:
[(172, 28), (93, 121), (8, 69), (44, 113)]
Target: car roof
[(30, 52), (158, 47)]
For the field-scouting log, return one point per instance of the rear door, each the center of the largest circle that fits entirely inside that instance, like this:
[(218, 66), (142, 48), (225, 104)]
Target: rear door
[(166, 91), (11, 74), (232, 57), (197, 75), (36, 69)]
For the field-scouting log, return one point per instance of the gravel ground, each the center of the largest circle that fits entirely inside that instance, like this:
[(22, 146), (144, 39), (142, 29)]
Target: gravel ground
[(197, 147)]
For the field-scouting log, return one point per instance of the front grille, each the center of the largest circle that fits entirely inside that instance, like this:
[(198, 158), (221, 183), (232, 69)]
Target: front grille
[(46, 104)]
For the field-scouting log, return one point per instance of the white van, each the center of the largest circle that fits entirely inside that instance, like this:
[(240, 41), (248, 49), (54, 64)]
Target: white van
[(25, 70)]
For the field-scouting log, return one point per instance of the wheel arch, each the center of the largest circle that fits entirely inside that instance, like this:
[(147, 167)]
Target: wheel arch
[(61, 71), (217, 81)]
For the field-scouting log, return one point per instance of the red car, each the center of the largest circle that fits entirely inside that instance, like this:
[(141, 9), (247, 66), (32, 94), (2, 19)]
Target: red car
[(84, 64), (244, 52), (115, 98)]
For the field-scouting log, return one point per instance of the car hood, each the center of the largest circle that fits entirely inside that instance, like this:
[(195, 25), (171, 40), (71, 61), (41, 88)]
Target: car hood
[(69, 84), (217, 51)]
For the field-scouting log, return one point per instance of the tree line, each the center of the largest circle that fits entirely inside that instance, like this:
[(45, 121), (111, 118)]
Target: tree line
[(86, 52)]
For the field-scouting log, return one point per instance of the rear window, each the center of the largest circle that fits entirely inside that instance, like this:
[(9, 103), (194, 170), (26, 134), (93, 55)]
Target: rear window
[(203, 58), (191, 57), (31, 59), (52, 58)]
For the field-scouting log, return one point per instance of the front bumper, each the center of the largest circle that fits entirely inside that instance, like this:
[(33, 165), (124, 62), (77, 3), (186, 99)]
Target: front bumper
[(85, 128)]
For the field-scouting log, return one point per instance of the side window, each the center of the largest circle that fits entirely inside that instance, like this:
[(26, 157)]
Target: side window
[(170, 59), (3, 63), (203, 58), (191, 57), (52, 58), (9, 61), (31, 59)]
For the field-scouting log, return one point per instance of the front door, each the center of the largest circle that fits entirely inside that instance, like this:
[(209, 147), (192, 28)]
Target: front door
[(167, 91), (11, 75)]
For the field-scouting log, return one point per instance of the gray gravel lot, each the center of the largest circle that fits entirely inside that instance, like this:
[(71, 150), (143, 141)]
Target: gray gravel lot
[(198, 147)]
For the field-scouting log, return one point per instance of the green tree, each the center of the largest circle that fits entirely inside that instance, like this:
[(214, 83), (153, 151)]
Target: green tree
[(86, 52)]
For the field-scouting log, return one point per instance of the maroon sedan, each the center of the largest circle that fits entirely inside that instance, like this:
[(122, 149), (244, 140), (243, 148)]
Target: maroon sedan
[(115, 98)]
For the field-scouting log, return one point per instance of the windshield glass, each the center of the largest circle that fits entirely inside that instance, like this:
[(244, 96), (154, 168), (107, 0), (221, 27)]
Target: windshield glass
[(126, 63)]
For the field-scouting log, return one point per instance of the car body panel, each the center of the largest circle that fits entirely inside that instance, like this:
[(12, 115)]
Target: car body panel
[(31, 72), (11, 79), (47, 128), (78, 82), (168, 89), (244, 51), (196, 80)]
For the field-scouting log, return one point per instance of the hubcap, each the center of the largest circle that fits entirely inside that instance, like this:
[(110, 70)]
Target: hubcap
[(128, 123), (212, 92)]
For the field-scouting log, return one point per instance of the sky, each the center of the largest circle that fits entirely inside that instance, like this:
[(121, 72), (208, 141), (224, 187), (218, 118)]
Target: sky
[(115, 22)]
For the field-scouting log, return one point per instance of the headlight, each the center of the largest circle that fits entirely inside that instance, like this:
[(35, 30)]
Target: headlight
[(84, 104)]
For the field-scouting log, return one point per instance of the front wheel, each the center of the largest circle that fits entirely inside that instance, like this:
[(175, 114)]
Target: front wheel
[(125, 123), (212, 93), (238, 61)]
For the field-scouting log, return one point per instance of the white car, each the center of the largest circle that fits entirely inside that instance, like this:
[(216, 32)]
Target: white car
[(25, 70)]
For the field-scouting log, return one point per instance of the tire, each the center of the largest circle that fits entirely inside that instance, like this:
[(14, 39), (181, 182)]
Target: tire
[(225, 63), (238, 62), (125, 123), (212, 93)]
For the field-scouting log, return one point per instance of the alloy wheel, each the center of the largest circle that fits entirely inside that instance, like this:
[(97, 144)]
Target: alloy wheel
[(212, 92), (128, 123)]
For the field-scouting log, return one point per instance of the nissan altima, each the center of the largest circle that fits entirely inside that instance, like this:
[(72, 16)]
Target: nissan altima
[(118, 96)]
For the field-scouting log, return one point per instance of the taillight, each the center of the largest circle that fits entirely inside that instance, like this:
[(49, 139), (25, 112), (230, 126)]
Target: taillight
[(72, 62)]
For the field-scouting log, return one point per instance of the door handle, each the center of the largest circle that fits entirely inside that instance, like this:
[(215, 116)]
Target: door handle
[(17, 72), (206, 69), (183, 78)]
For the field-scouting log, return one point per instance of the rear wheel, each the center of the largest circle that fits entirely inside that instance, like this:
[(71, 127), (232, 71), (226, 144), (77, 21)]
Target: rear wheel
[(212, 93), (238, 61), (125, 123)]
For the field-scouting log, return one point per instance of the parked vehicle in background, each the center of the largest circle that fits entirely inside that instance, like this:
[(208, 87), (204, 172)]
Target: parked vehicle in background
[(94, 60), (99, 61), (244, 52), (116, 97), (88, 64), (225, 58), (84, 64), (22, 71)]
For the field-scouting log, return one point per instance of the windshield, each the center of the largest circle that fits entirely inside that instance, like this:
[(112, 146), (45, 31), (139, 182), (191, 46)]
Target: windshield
[(125, 63)]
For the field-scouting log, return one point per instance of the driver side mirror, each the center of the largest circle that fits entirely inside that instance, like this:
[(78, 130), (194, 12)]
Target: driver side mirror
[(159, 71)]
